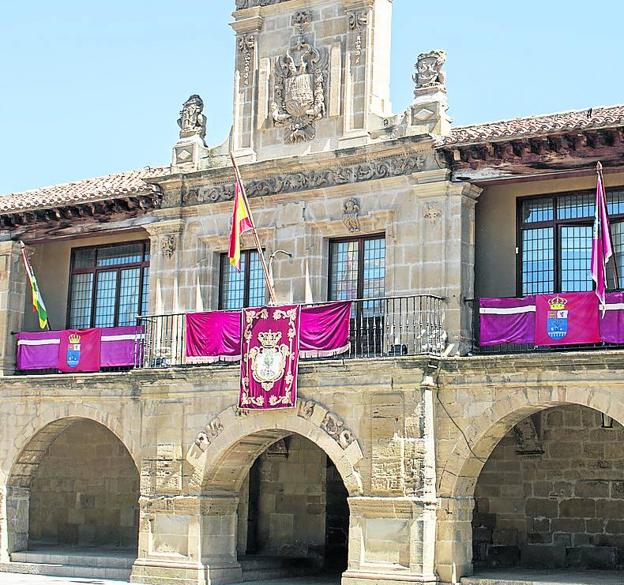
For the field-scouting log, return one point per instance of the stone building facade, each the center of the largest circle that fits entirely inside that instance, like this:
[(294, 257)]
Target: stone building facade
[(414, 462)]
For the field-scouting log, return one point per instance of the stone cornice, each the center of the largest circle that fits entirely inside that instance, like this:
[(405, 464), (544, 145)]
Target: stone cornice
[(404, 157), (244, 4)]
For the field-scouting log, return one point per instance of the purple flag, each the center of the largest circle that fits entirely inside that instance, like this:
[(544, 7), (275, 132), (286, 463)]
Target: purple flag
[(507, 321), (325, 330), (601, 243), (612, 323)]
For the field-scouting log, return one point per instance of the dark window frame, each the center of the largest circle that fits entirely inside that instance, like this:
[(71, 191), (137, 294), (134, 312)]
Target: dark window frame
[(361, 243), (118, 268), (556, 224), (224, 262)]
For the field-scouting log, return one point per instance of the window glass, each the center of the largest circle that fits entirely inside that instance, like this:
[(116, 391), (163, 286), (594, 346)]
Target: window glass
[(576, 243), (81, 301), (128, 295), (576, 206), (105, 290), (556, 255), (358, 269), (538, 275), (105, 299), (245, 288), (124, 254), (537, 210), (344, 270)]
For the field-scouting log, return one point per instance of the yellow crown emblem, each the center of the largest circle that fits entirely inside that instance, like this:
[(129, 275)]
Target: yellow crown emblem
[(269, 338), (557, 303), (74, 338)]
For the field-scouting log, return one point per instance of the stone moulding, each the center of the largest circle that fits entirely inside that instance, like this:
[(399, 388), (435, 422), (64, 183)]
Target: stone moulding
[(304, 181)]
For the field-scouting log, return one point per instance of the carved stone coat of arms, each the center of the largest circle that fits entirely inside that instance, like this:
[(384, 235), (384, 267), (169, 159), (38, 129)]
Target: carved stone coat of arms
[(300, 78)]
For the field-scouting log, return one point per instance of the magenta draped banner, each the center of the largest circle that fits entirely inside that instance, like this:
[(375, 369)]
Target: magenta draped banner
[(216, 336), (270, 357), (507, 321), (212, 337), (119, 347)]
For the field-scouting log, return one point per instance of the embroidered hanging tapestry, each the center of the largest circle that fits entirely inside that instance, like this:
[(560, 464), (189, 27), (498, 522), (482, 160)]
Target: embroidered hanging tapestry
[(270, 357)]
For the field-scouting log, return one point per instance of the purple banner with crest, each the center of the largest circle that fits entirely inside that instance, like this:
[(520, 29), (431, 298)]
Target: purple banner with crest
[(270, 357)]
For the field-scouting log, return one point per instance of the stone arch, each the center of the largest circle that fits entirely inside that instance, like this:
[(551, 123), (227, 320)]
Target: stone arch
[(463, 465), (47, 426), (227, 448), (31, 447), (460, 470)]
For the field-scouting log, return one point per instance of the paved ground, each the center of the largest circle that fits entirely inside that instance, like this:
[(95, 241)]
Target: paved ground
[(529, 577), (519, 577), (14, 579)]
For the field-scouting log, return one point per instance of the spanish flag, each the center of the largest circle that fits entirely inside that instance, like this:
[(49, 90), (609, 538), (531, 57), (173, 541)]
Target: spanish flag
[(241, 222), (37, 300)]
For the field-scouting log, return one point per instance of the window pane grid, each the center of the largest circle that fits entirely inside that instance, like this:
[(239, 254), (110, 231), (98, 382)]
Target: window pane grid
[(113, 296), (538, 275), (128, 295), (344, 271), (245, 288), (576, 242), (557, 256), (257, 295), (105, 299), (80, 301)]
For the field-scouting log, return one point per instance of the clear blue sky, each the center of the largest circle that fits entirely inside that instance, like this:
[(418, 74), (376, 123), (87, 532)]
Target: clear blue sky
[(89, 88)]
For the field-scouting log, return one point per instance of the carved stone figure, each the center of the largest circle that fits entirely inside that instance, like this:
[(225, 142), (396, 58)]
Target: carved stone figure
[(168, 245), (429, 70), (351, 211), (299, 91), (240, 4), (192, 122)]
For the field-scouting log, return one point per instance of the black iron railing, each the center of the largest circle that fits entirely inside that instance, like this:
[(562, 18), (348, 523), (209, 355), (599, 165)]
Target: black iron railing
[(379, 328)]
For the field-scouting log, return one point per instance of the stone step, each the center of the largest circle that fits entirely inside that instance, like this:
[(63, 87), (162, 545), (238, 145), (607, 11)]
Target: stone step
[(52, 570), (259, 568), (74, 558)]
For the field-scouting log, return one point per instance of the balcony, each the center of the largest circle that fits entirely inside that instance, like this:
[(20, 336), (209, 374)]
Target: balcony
[(380, 328), (509, 325)]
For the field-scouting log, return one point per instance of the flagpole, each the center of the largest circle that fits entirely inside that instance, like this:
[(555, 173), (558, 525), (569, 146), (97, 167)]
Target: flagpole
[(265, 267), (28, 269), (616, 275)]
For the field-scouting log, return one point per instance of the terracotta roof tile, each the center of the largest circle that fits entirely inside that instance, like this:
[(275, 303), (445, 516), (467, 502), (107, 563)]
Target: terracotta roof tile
[(594, 118), (130, 183)]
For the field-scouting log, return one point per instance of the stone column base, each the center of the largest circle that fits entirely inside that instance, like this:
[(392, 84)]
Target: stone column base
[(167, 572), (364, 578)]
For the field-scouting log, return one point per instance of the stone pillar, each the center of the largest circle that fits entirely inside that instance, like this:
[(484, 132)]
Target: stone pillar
[(245, 86), (12, 301), (443, 255), (389, 540), (169, 541), (4, 536), (218, 539), (17, 508), (367, 69), (453, 546), (164, 254)]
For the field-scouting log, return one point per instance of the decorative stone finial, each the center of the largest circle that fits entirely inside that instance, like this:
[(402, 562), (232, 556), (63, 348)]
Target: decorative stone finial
[(192, 121), (429, 70), (240, 4)]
